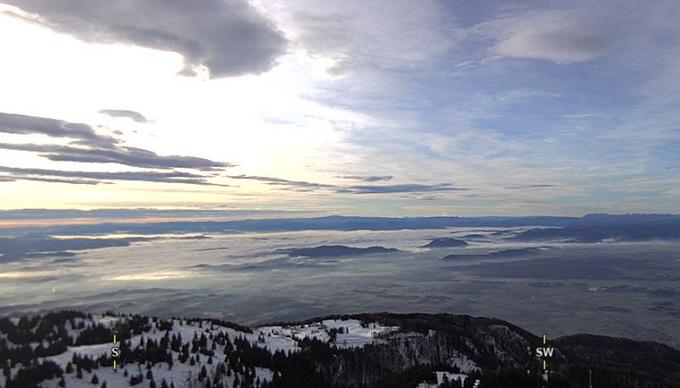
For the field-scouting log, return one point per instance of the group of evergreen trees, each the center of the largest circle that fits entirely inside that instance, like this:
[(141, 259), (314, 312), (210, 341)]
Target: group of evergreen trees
[(319, 364), (425, 344)]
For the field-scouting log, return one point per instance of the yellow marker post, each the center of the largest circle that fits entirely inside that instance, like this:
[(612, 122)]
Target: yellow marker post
[(545, 342), (114, 350)]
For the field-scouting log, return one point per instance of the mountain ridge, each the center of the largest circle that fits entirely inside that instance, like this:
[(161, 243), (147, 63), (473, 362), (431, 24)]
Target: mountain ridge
[(343, 350)]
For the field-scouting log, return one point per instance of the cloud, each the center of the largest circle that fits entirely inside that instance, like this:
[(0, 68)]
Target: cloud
[(92, 147), (228, 37), (298, 185), (104, 177), (141, 213), (386, 34), (130, 114), (129, 156), (369, 178), (560, 36), (401, 188), (355, 189), (26, 125), (532, 186), (8, 178)]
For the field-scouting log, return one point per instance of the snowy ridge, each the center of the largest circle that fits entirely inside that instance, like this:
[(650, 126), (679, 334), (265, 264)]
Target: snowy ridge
[(349, 333), (74, 349)]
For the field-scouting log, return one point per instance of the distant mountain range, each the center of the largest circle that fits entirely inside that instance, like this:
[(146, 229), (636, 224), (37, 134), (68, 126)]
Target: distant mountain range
[(667, 225), (25, 242)]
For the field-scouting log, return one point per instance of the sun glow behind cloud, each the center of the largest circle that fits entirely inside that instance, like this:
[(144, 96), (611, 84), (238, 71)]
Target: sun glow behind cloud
[(266, 124)]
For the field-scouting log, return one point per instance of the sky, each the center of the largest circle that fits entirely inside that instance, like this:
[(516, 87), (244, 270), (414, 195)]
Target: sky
[(395, 107)]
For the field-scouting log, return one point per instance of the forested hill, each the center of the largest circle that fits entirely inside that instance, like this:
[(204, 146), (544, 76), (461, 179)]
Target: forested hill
[(74, 349)]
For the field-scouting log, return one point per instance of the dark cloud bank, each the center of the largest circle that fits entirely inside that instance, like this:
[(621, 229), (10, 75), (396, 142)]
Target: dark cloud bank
[(88, 146), (367, 178), (98, 177), (228, 37), (82, 134), (352, 189)]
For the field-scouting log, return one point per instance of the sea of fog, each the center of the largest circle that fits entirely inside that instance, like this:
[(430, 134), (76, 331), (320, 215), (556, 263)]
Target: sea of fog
[(624, 289)]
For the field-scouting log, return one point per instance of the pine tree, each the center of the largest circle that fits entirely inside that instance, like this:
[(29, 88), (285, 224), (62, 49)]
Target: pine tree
[(95, 379)]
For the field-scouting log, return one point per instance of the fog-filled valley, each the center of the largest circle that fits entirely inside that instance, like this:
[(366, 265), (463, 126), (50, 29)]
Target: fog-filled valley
[(554, 285)]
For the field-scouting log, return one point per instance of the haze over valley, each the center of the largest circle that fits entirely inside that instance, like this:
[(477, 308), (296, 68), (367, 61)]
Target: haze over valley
[(614, 284)]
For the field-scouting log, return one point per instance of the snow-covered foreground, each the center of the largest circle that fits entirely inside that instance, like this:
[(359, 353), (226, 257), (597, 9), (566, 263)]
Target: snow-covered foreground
[(349, 333), (214, 345)]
